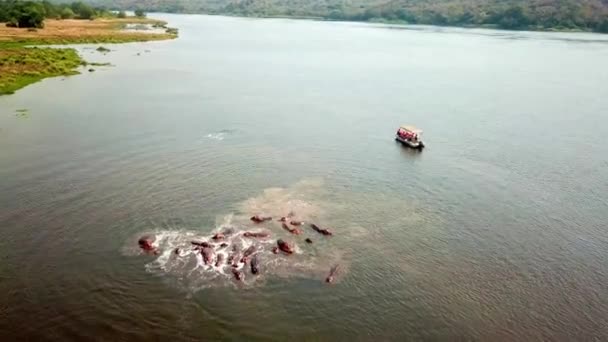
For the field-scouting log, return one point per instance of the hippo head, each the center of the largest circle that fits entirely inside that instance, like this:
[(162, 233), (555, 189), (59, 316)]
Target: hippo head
[(145, 242)]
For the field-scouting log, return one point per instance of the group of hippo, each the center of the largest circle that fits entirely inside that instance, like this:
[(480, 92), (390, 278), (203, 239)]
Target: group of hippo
[(250, 255)]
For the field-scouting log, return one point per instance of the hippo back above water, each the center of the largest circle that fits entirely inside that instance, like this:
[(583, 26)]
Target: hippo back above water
[(318, 229), (285, 246), (207, 253), (255, 264)]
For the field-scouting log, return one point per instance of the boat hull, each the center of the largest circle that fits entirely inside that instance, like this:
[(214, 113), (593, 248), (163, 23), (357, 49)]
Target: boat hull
[(415, 145)]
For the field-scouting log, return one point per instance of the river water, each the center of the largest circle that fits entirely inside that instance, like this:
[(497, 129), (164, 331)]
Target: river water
[(497, 231)]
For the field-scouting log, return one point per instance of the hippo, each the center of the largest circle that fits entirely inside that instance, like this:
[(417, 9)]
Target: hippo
[(296, 223), (285, 246), (255, 264), (207, 253), (295, 231), (145, 243), (233, 258), (228, 231), (220, 260), (223, 245), (238, 275), (260, 219), (308, 240), (256, 234), (248, 252), (218, 236), (332, 274), (321, 230)]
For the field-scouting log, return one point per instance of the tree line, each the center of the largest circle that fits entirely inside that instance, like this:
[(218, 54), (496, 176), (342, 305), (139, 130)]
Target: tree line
[(588, 15), (16, 13)]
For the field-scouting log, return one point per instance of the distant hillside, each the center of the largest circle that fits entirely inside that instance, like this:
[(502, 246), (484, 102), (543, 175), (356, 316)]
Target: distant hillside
[(589, 15)]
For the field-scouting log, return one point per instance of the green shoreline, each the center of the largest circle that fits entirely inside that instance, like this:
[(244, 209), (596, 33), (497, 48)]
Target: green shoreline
[(405, 23), (24, 61)]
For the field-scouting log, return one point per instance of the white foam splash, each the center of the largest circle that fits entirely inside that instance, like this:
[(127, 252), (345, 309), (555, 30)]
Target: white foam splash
[(188, 269), (216, 136), (220, 135)]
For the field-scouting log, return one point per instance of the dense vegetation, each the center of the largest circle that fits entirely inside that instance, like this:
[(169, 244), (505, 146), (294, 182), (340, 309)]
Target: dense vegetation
[(32, 13), (589, 15), (21, 65)]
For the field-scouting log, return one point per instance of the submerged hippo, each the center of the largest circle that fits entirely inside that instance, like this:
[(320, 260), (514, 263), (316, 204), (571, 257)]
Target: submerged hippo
[(255, 264), (247, 253), (308, 240), (228, 231), (223, 245), (207, 253), (220, 260), (256, 234), (333, 272), (260, 219), (295, 231), (285, 246), (233, 258), (320, 230), (283, 219), (146, 243), (176, 251), (235, 261), (218, 236), (238, 275)]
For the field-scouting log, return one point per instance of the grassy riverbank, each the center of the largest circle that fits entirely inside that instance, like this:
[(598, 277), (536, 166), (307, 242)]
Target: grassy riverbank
[(21, 65)]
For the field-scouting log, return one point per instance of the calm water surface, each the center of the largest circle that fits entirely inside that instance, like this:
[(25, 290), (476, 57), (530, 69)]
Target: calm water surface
[(497, 231)]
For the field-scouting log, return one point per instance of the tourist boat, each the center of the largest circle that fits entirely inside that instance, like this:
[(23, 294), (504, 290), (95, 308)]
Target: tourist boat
[(410, 136)]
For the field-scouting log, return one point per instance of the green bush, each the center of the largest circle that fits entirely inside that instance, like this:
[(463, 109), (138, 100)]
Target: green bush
[(67, 13), (140, 13), (32, 15), (82, 10), (122, 14)]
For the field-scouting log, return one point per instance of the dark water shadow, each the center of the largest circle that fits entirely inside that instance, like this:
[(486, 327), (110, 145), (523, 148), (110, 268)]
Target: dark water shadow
[(408, 151)]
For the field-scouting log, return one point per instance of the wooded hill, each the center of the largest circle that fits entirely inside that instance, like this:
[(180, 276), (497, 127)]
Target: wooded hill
[(588, 15)]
